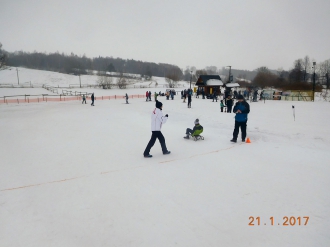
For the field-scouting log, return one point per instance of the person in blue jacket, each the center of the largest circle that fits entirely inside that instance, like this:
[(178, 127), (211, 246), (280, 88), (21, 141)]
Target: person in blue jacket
[(242, 109)]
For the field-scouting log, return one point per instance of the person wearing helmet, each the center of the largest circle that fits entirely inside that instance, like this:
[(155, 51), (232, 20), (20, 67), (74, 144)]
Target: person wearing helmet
[(197, 130)]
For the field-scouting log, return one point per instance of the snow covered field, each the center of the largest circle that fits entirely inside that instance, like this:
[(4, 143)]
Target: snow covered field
[(74, 175), (41, 77)]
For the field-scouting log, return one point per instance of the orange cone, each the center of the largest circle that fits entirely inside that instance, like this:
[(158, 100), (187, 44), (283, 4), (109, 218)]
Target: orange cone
[(248, 140)]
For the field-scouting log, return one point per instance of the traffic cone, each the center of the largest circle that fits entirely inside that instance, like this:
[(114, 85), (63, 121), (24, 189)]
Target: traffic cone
[(248, 140)]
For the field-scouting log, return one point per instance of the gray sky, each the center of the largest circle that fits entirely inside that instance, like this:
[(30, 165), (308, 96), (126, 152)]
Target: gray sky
[(241, 33)]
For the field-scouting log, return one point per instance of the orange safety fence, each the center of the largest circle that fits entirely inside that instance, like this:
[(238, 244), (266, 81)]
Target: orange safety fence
[(8, 100)]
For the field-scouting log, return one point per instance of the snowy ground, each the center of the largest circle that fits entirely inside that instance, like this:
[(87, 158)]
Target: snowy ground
[(37, 78), (74, 175)]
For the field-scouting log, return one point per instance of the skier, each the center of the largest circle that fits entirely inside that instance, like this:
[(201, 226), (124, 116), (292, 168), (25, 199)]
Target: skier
[(255, 96), (235, 94), (215, 97), (157, 120), (229, 104), (197, 130), (155, 96), (242, 109), (147, 96), (126, 96), (84, 99), (92, 98), (221, 105), (189, 100), (172, 94), (167, 95)]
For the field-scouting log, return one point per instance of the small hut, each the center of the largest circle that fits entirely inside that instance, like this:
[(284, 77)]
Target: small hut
[(209, 84)]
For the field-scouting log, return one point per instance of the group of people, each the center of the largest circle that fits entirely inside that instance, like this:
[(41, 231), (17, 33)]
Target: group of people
[(241, 109), (148, 96), (84, 99), (170, 93)]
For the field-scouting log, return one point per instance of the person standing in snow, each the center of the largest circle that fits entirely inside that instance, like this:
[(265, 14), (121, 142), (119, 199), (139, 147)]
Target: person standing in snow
[(229, 104), (92, 98), (157, 120), (221, 105), (189, 100), (155, 95), (242, 109), (126, 96), (147, 96), (215, 97), (84, 99)]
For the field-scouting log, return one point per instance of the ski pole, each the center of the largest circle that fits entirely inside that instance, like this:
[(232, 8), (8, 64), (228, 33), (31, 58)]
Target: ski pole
[(294, 114)]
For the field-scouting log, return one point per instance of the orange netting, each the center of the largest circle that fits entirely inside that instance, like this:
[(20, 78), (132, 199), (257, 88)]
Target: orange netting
[(65, 98)]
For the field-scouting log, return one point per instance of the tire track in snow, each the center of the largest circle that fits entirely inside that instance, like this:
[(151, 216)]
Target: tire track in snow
[(34, 185), (132, 168)]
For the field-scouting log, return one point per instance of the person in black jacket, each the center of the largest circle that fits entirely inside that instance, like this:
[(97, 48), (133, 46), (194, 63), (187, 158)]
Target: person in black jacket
[(92, 98), (189, 100), (229, 104), (242, 109)]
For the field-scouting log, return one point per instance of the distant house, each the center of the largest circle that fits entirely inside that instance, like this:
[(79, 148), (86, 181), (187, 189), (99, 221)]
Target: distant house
[(208, 82)]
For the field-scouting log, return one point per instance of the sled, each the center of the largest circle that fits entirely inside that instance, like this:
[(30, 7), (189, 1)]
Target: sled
[(195, 138)]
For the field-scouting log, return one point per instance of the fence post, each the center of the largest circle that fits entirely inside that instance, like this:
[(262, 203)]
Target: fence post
[(102, 97), (28, 100), (60, 97), (38, 100), (115, 97)]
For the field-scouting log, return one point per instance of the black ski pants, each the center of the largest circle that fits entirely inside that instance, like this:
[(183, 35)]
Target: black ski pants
[(154, 136), (229, 109), (238, 125), (189, 131)]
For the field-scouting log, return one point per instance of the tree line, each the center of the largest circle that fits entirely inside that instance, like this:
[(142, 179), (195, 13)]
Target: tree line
[(300, 77), (74, 64)]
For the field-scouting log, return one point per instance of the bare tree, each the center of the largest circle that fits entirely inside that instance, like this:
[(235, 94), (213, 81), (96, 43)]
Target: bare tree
[(200, 72), (306, 64), (105, 82), (172, 79), (3, 57), (121, 82)]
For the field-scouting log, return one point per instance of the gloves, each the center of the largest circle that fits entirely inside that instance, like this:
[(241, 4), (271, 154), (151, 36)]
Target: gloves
[(166, 115)]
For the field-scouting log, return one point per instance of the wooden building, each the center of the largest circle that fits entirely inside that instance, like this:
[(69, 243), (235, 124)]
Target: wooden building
[(209, 83)]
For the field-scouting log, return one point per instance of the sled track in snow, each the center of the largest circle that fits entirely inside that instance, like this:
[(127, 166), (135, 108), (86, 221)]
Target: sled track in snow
[(106, 172)]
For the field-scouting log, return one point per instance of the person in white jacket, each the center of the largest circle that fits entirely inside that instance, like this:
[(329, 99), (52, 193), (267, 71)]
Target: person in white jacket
[(157, 120)]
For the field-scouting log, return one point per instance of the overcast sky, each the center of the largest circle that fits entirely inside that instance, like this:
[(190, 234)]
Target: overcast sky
[(245, 34)]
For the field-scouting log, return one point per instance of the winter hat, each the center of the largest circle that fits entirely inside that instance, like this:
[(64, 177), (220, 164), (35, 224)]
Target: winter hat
[(240, 97), (197, 121), (159, 104)]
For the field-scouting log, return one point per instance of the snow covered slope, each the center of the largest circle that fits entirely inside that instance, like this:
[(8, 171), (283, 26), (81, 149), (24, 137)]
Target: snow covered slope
[(41, 77), (74, 175)]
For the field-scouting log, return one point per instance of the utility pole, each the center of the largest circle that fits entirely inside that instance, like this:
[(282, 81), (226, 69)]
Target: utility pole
[(314, 65), (17, 76), (229, 73), (190, 78)]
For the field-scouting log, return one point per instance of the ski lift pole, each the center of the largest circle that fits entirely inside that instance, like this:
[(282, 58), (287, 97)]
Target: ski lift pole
[(294, 114)]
